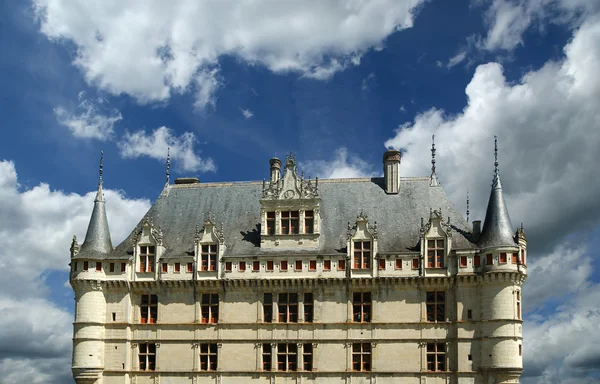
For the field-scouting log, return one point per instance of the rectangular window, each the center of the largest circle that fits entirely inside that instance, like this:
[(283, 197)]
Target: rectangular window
[(398, 263), (242, 266), (381, 265), (209, 307), (165, 267), (177, 268), (111, 267), (149, 309), (489, 260), (307, 357), (287, 355), (269, 265), (190, 267), (309, 222), (270, 223), (415, 263), (228, 266), (208, 357), (256, 266), (436, 357), (518, 293), (74, 265), (147, 356), (361, 357), (309, 306), (312, 265), (208, 257), (266, 356), (283, 265), (435, 253), (147, 253), (436, 306), (514, 258), (288, 307), (98, 266), (361, 307), (85, 266), (362, 254), (520, 350), (523, 257), (268, 308), (342, 265), (476, 261), (290, 222), (298, 265), (327, 265), (463, 261), (123, 265), (469, 314), (503, 258)]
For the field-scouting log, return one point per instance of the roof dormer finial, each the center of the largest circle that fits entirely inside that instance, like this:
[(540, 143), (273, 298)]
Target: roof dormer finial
[(101, 158), (433, 178), (168, 164), (468, 205), (495, 155)]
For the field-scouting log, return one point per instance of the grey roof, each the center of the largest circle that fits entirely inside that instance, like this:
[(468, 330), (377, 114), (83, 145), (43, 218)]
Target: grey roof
[(97, 242), (497, 228), (181, 207)]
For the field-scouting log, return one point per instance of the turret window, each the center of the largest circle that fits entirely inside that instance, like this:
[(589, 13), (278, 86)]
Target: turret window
[(362, 254), (208, 256), (435, 253), (514, 258), (98, 266), (518, 293), (147, 254), (476, 261), (290, 221), (503, 258), (489, 260)]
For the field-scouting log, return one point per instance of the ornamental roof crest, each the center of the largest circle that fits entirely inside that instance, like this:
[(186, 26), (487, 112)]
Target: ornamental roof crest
[(436, 219), (147, 227), (209, 228), (291, 186), (362, 225)]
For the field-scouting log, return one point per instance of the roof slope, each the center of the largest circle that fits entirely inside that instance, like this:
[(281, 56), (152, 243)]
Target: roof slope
[(497, 228), (236, 205)]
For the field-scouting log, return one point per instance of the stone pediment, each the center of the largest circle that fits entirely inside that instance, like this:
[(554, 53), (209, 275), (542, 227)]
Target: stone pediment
[(291, 186)]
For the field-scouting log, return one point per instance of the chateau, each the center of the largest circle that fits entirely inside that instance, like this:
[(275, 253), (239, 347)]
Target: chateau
[(293, 280)]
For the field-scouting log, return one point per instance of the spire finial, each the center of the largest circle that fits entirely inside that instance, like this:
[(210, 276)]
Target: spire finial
[(433, 178), (101, 158), (468, 205), (100, 194), (495, 155), (168, 164)]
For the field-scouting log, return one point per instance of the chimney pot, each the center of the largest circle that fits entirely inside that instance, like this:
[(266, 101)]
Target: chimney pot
[(476, 229), (391, 170), (275, 164)]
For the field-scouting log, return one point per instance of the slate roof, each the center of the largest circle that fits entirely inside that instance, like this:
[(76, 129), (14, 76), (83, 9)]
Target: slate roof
[(97, 244), (497, 229), (183, 206)]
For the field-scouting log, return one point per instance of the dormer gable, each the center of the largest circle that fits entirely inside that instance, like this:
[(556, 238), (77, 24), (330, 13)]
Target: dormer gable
[(436, 240), (209, 245), (290, 207), (362, 244), (147, 248)]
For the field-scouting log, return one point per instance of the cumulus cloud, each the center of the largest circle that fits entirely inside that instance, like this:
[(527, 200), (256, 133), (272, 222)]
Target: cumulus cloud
[(93, 119), (547, 121), (35, 334), (247, 113), (156, 145), (153, 50), (343, 165)]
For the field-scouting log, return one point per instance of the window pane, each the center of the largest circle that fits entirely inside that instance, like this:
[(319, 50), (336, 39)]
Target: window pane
[(440, 243)]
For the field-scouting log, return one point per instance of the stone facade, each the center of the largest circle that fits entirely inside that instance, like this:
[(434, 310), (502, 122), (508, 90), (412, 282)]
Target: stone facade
[(378, 302)]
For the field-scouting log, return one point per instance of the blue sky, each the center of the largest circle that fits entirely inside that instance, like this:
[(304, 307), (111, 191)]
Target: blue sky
[(228, 86)]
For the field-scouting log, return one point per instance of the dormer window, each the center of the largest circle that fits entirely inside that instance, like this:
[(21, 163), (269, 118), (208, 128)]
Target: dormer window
[(309, 222), (147, 253), (208, 257), (435, 253), (270, 223), (362, 254), (290, 221)]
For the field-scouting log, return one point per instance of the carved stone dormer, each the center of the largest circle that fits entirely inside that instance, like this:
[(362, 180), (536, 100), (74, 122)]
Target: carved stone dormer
[(289, 208), (147, 248), (74, 247), (436, 240), (362, 245), (209, 246)]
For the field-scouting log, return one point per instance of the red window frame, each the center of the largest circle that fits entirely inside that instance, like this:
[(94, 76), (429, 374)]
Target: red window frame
[(208, 257), (362, 254), (327, 265), (256, 266), (270, 223), (290, 221), (242, 266), (283, 265), (312, 265), (147, 254), (463, 261), (209, 308), (309, 222), (435, 253), (341, 265), (476, 261), (228, 266)]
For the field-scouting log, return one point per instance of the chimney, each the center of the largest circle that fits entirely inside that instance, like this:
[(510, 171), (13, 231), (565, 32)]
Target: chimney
[(476, 229), (275, 169), (391, 170)]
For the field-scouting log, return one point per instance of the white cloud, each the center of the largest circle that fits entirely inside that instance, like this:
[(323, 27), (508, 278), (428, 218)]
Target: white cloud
[(156, 144), (343, 165), (367, 82), (247, 113), (92, 120), (547, 125), (456, 59), (38, 225), (152, 50)]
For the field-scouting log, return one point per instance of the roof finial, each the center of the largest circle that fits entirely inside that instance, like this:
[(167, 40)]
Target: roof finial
[(495, 155), (168, 164), (101, 158), (468, 205), (433, 179), (100, 194)]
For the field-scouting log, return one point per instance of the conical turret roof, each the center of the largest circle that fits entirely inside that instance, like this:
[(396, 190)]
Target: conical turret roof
[(497, 228), (97, 238)]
